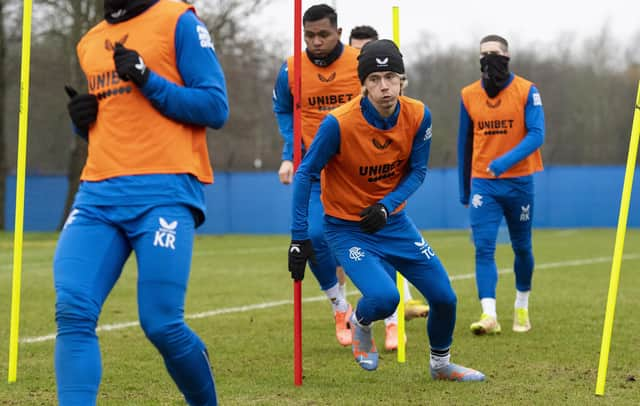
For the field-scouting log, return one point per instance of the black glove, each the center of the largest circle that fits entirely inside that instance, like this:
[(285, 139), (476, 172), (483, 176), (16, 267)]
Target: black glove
[(299, 252), (83, 109), (373, 218), (130, 66)]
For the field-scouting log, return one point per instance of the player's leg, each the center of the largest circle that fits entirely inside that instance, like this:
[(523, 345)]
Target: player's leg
[(342, 281), (519, 214), (360, 260), (324, 267), (412, 255), (486, 215), (413, 308), (391, 322), (163, 240), (391, 331), (88, 261)]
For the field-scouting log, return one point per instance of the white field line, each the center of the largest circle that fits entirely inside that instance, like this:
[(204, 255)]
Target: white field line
[(267, 305)]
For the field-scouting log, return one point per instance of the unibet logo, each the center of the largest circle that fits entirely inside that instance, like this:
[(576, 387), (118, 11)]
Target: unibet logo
[(166, 234), (375, 173)]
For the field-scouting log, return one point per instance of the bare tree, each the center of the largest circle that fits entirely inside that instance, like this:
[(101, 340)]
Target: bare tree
[(250, 139), (9, 23), (68, 20)]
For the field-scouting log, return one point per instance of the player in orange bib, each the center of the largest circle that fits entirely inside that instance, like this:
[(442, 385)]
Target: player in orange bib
[(413, 308), (501, 131), (155, 84), (373, 154), (329, 79)]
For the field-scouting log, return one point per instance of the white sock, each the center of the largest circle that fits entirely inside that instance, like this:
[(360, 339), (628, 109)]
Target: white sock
[(438, 361), (343, 289), (354, 320), (489, 306), (522, 300), (338, 302), (407, 292), (393, 319)]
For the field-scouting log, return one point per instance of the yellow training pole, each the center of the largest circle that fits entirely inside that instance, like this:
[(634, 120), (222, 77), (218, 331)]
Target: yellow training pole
[(618, 248), (399, 277), (20, 181)]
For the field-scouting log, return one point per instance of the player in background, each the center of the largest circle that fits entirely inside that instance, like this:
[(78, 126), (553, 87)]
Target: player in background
[(499, 139), (413, 308), (329, 79), (373, 154), (155, 84)]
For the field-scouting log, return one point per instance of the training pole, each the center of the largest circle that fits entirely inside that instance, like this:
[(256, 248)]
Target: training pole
[(297, 152), (20, 182), (618, 248), (399, 278)]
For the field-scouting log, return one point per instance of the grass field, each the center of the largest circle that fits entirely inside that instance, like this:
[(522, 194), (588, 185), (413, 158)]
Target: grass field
[(237, 302)]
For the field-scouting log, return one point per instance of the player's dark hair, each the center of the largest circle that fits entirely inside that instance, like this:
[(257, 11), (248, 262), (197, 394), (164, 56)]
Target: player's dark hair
[(496, 38), (318, 12), (363, 32)]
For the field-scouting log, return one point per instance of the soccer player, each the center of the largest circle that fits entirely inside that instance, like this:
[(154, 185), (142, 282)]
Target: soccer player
[(413, 308), (373, 154), (329, 79), (362, 34), (499, 138), (155, 84)]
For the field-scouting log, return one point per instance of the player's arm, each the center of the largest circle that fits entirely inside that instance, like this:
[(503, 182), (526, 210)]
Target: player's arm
[(534, 122), (203, 98), (283, 109), (325, 144), (418, 161), (465, 154)]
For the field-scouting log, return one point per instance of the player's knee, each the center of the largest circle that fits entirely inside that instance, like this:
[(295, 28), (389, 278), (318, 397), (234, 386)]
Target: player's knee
[(444, 299), (387, 302), (485, 250), (75, 313), (165, 336), (316, 235), (521, 248)]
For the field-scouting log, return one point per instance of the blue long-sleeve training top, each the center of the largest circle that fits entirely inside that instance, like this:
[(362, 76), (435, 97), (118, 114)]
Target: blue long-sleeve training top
[(327, 143), (203, 98)]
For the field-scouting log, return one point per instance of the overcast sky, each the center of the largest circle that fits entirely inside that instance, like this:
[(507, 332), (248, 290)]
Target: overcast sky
[(465, 22)]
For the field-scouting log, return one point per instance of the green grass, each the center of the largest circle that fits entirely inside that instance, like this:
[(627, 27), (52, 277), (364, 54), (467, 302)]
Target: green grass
[(251, 351)]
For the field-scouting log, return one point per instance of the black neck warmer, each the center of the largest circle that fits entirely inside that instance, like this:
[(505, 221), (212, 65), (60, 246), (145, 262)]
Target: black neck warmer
[(117, 11), (327, 60), (495, 73)]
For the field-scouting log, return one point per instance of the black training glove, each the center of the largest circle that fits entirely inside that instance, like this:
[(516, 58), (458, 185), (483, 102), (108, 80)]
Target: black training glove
[(373, 218), (130, 66), (83, 109), (299, 252)]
